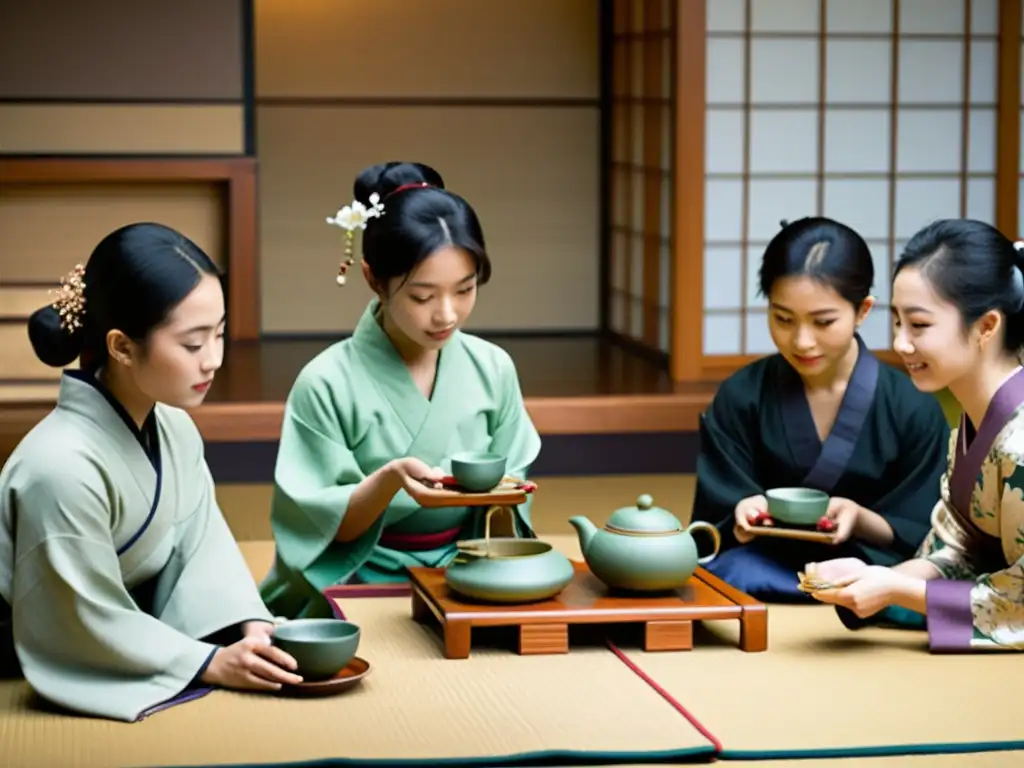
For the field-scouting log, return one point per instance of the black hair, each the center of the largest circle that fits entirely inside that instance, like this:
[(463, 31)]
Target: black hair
[(420, 217), (133, 280), (824, 250), (974, 267)]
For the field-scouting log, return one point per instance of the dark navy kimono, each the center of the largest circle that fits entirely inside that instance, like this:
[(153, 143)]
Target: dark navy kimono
[(886, 452)]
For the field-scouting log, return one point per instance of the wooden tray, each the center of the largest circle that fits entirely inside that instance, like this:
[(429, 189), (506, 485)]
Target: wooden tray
[(798, 534), (544, 626), (510, 493)]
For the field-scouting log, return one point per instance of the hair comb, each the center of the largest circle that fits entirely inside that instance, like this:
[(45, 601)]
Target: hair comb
[(70, 301)]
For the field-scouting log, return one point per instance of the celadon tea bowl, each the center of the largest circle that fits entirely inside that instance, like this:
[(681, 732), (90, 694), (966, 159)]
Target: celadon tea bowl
[(321, 647), (797, 506), (507, 570), (478, 471)]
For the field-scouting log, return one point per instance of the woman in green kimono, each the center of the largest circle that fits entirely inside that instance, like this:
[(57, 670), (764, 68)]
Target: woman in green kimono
[(822, 413), (122, 590), (958, 308), (378, 414)]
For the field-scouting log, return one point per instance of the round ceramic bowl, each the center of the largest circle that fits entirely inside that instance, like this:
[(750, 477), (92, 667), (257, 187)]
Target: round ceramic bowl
[(508, 571), (797, 506), (321, 647), (478, 471)]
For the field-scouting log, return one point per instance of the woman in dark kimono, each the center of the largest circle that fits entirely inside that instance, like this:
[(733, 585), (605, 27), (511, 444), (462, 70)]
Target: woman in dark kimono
[(822, 413)]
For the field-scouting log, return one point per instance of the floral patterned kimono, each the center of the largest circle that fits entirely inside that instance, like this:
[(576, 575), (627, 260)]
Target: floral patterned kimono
[(977, 536)]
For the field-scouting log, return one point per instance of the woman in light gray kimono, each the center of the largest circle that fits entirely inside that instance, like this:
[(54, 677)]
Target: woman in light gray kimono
[(122, 590)]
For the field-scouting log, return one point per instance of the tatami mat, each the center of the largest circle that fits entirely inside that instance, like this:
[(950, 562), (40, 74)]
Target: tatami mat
[(496, 708), (823, 691), (819, 693), (974, 760)]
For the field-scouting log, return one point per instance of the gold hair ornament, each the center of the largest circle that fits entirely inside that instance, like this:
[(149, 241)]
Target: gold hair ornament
[(70, 301), (350, 218)]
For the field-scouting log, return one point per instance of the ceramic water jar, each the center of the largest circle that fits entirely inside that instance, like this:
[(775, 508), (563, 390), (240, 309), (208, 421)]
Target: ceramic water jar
[(507, 570), (643, 548)]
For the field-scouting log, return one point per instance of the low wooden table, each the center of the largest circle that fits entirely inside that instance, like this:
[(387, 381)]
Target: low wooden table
[(544, 626)]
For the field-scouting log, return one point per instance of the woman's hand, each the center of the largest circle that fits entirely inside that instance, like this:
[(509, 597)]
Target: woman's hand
[(252, 664), (873, 589), (413, 474), (749, 512), (844, 515)]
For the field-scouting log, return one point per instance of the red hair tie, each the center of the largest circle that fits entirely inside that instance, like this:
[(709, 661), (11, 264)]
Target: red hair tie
[(407, 186)]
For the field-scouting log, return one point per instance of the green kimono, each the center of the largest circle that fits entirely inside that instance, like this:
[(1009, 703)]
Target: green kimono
[(354, 408), (117, 569)]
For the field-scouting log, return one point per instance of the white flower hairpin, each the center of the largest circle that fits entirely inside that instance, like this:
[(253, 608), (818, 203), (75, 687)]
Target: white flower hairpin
[(350, 218)]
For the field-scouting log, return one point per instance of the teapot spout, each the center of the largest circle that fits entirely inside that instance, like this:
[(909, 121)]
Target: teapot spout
[(584, 529)]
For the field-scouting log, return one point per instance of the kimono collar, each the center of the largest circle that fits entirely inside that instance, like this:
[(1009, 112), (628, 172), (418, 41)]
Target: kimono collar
[(376, 346), (85, 395)]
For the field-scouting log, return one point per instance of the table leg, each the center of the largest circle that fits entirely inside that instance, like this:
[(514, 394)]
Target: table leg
[(537, 639), (456, 639), (668, 636), (754, 629), (420, 610)]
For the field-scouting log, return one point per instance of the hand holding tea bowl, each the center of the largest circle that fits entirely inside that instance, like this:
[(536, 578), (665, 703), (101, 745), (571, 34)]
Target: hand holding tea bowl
[(320, 647), (478, 471)]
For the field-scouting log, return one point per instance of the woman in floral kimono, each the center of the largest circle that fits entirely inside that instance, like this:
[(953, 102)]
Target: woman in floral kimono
[(958, 309)]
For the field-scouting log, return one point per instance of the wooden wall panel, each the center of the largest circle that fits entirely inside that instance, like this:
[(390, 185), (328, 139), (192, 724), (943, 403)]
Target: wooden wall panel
[(46, 229), (119, 129), (446, 50), (531, 174), (121, 50)]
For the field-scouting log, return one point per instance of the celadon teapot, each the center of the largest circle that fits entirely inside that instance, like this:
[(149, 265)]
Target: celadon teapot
[(643, 548)]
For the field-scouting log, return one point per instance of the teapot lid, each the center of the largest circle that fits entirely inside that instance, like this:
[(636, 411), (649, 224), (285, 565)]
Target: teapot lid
[(643, 518)]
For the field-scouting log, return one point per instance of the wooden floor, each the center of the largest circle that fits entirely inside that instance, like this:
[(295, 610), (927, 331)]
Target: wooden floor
[(579, 385), (576, 366)]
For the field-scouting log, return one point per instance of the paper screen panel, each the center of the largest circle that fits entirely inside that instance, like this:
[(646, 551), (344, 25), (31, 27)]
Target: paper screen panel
[(812, 109)]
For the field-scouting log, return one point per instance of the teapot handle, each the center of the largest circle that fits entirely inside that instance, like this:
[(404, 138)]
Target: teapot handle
[(487, 525), (716, 539)]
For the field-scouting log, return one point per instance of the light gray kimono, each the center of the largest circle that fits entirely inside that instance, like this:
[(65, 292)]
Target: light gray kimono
[(116, 565)]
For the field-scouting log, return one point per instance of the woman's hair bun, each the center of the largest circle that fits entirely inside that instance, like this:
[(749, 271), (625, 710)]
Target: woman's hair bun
[(783, 223), (53, 345), (385, 178)]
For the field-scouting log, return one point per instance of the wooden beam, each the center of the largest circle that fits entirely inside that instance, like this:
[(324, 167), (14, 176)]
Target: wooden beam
[(261, 421), (236, 174), (1008, 105), (688, 192), (717, 368)]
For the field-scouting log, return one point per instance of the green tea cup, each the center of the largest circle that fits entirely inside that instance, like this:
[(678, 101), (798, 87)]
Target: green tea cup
[(797, 506), (478, 471)]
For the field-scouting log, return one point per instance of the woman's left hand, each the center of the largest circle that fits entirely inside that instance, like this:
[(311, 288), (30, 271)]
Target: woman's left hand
[(843, 514), (870, 591)]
